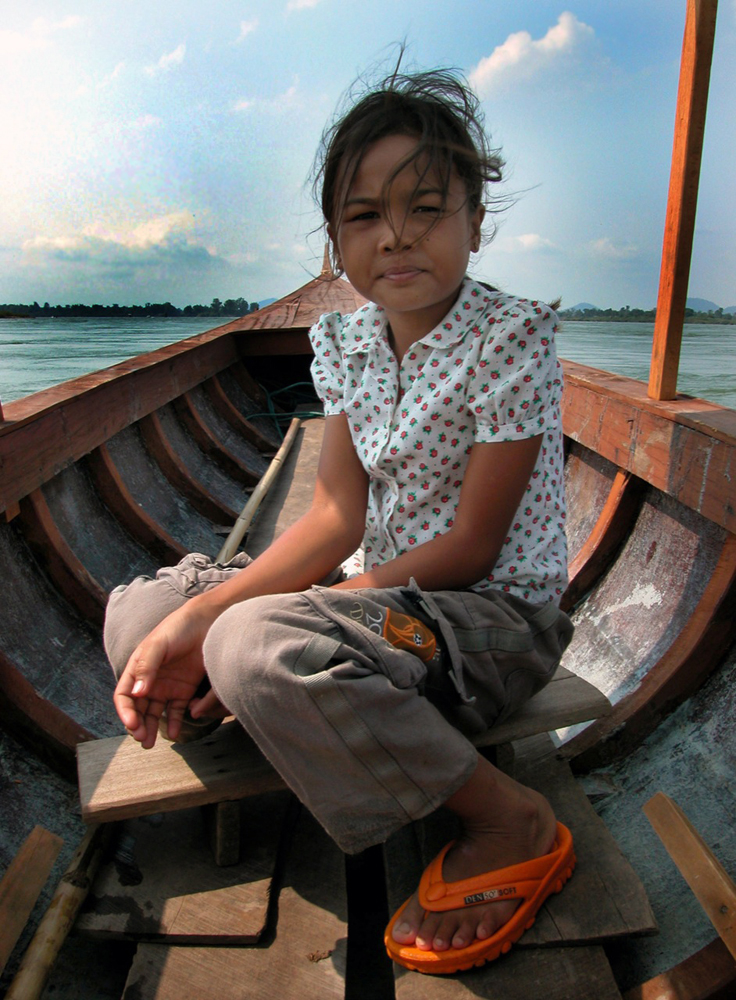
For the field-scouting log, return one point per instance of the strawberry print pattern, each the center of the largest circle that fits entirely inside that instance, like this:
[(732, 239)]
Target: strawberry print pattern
[(488, 372)]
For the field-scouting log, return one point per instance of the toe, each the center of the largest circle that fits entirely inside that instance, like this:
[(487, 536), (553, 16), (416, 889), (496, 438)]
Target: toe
[(427, 935), (408, 922)]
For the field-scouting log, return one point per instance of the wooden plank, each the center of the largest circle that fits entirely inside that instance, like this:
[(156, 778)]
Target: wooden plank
[(710, 882), (682, 199), (22, 883), (709, 974), (304, 958), (120, 780), (163, 884), (552, 974), (603, 900), (566, 696), (56, 923), (291, 494), (686, 448)]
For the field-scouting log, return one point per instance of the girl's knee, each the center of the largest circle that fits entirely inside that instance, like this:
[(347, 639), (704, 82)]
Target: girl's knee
[(132, 613)]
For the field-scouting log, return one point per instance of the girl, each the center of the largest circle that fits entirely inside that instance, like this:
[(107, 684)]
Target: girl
[(442, 454)]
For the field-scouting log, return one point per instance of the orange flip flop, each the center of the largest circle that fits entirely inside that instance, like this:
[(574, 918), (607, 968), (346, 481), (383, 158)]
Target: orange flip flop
[(531, 882)]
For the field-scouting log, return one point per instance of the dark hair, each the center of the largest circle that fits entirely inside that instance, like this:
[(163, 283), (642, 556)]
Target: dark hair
[(436, 107)]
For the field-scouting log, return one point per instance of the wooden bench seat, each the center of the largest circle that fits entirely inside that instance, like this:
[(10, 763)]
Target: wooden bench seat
[(119, 780)]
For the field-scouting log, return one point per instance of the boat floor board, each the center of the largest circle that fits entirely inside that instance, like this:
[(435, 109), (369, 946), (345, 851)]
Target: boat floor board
[(551, 974), (603, 900), (162, 883), (304, 958), (291, 493)]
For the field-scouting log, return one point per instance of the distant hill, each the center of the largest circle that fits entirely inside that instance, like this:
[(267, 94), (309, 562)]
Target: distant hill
[(701, 305), (580, 307)]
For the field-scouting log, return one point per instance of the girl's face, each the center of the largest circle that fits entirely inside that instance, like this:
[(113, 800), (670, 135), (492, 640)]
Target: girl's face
[(401, 248)]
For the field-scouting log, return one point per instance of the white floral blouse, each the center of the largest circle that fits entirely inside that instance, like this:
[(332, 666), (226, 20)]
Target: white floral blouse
[(488, 372)]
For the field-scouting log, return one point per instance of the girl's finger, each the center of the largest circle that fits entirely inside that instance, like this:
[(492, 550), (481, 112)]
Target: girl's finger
[(208, 705)]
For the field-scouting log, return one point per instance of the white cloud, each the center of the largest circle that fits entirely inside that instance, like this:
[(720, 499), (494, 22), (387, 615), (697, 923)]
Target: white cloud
[(37, 37), (521, 56), (278, 103), (101, 239), (605, 247), (246, 28), (301, 4), (533, 242), (144, 122), (168, 61)]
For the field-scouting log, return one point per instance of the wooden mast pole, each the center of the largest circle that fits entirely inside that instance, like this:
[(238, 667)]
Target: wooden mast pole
[(692, 99)]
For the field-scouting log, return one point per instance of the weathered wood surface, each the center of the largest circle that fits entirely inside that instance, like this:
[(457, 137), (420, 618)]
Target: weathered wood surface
[(163, 885), (22, 883), (686, 448), (117, 779), (303, 307), (682, 200), (566, 696), (552, 974), (692, 643), (603, 900), (120, 780), (701, 869), (291, 494), (606, 536), (709, 974), (303, 957), (169, 459)]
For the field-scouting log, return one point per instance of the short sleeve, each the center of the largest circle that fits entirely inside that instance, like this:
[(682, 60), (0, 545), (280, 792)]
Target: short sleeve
[(327, 367), (515, 388)]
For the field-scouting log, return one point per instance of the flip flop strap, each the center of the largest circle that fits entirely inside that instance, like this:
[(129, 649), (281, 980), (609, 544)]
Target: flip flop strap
[(518, 882)]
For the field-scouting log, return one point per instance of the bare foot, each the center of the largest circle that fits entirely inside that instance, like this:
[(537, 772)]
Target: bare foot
[(512, 825)]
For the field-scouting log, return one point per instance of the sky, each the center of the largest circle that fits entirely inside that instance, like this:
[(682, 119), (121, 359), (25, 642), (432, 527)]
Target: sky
[(156, 152)]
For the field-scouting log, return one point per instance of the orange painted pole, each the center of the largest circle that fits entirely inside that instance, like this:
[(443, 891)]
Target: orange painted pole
[(692, 100)]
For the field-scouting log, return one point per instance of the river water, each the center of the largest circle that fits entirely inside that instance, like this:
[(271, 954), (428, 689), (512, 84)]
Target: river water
[(38, 353)]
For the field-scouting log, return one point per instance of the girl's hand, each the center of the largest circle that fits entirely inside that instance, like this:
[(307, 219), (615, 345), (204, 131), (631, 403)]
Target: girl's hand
[(163, 673)]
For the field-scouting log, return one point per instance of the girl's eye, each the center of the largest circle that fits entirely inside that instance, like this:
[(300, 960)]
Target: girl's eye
[(362, 216), (428, 209)]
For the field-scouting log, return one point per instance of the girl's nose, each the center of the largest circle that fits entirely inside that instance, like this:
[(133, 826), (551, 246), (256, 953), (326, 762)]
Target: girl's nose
[(392, 240)]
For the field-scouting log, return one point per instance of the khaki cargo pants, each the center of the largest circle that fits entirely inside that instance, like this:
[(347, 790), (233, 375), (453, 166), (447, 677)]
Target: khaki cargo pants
[(369, 732)]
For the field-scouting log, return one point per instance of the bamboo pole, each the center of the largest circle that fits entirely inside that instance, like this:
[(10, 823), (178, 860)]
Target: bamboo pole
[(46, 943), (247, 514), (677, 246)]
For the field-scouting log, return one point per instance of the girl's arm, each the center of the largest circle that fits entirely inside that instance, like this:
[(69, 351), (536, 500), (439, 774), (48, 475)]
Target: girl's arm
[(167, 667), (495, 480)]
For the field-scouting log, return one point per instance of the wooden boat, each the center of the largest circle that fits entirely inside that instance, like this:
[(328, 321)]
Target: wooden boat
[(115, 473)]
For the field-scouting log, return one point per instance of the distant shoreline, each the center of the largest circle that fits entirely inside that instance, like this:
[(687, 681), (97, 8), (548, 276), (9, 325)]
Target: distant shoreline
[(233, 308)]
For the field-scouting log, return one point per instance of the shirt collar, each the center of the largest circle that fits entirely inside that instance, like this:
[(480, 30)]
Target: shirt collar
[(369, 322)]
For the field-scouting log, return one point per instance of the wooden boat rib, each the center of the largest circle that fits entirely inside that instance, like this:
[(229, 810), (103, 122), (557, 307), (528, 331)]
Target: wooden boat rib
[(113, 474)]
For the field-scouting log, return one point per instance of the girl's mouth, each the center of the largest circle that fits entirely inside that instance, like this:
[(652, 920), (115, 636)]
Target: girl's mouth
[(401, 274)]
